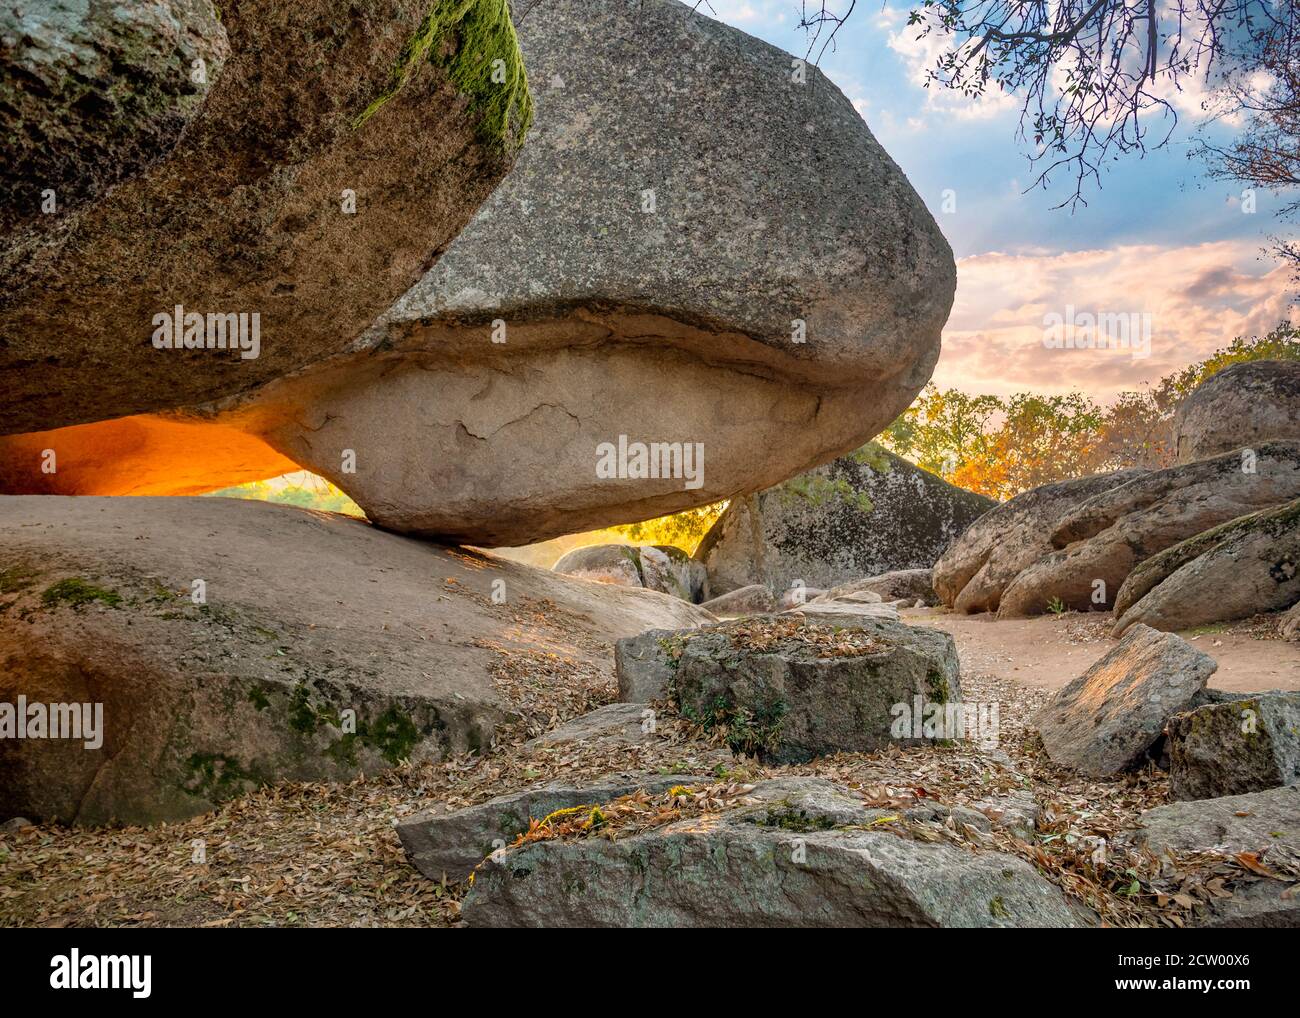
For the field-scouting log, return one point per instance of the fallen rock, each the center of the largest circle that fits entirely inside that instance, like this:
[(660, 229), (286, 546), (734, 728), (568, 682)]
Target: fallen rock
[(660, 567), (909, 585), (790, 689), (797, 855), (1289, 627), (1100, 542), (1242, 568), (659, 226), (977, 567), (450, 845), (862, 515), (798, 595), (1109, 719), (1245, 745), (1265, 824), (304, 617), (756, 599), (615, 724), (1242, 406), (289, 96), (619, 564), (851, 607)]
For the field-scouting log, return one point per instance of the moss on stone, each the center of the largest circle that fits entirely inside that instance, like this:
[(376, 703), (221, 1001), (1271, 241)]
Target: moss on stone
[(481, 33), (784, 816), (76, 592)]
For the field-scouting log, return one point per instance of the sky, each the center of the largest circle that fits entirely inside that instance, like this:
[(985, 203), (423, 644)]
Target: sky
[(1159, 239)]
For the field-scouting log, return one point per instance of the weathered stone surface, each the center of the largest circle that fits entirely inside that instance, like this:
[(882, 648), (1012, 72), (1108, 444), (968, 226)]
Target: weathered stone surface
[(1246, 745), (619, 564), (615, 724), (1242, 568), (791, 689), (306, 615), (238, 209), (1109, 718), (744, 869), (851, 606), (1105, 538), (772, 202), (644, 666), (1266, 824), (1289, 627), (862, 515), (756, 599), (972, 573), (909, 585), (1244, 405), (452, 844), (92, 93)]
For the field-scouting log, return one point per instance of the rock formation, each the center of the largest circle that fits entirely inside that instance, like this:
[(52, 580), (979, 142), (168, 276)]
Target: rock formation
[(1248, 744), (660, 567), (226, 640), (859, 516), (656, 225)]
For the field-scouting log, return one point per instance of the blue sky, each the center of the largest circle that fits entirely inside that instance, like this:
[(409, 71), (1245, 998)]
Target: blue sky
[(1159, 238)]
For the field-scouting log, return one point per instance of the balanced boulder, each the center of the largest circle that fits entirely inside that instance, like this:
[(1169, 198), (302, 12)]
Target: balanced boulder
[(1244, 405), (862, 515), (684, 209), (1110, 718), (206, 202), (193, 649)]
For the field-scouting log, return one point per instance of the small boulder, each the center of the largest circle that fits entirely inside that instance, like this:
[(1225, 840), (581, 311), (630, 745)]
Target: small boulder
[(790, 689), (1245, 745), (909, 585), (615, 724), (661, 567), (644, 665), (1109, 719)]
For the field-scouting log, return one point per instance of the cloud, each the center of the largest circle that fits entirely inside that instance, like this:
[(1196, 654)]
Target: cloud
[(1196, 299)]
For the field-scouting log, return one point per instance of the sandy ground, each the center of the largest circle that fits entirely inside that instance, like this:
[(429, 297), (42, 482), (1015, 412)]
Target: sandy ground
[(1048, 651)]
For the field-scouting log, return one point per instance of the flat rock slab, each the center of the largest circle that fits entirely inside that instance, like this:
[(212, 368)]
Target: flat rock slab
[(1108, 719), (1266, 824), (615, 724), (797, 856), (1248, 744), (306, 616), (450, 845)]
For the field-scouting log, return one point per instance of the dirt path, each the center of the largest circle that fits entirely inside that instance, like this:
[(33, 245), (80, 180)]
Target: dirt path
[(1049, 651)]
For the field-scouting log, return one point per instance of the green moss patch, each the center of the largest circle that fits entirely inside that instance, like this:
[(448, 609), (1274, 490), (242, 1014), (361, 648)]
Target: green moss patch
[(474, 42), (76, 592)]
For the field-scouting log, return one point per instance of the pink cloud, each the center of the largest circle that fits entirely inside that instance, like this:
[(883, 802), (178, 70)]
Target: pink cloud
[(1195, 298)]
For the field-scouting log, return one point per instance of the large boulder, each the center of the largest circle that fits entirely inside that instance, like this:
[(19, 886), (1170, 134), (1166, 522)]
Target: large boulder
[(227, 641), (861, 515), (789, 689), (684, 209), (660, 567), (1098, 543), (1245, 567), (1246, 745), (1111, 717), (797, 852), (1244, 405), (209, 162), (977, 567)]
